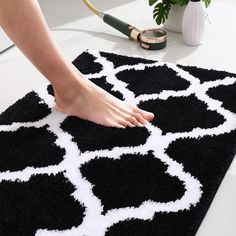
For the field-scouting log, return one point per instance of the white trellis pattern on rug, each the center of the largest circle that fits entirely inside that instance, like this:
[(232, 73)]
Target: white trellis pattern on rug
[(94, 222)]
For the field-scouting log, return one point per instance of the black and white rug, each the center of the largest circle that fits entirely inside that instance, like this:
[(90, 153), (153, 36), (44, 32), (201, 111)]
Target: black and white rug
[(60, 175)]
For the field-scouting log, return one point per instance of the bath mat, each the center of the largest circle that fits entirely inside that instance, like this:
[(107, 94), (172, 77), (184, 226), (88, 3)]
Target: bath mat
[(61, 175)]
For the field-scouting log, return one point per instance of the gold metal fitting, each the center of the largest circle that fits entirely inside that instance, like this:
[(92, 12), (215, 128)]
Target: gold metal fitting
[(153, 36), (135, 34)]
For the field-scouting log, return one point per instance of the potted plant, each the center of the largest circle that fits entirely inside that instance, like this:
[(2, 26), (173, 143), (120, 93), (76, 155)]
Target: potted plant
[(170, 12)]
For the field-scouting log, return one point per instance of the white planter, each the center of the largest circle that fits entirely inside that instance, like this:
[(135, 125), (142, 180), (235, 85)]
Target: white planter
[(193, 23), (174, 20), (5, 42)]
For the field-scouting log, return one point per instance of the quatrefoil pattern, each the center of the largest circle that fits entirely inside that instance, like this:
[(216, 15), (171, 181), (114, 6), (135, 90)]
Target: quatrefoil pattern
[(61, 175)]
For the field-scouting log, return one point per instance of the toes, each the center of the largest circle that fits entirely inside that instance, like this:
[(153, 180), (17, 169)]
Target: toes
[(136, 119), (126, 118), (111, 123), (132, 111), (146, 114), (125, 122), (117, 125), (118, 122), (149, 115), (132, 120), (140, 118)]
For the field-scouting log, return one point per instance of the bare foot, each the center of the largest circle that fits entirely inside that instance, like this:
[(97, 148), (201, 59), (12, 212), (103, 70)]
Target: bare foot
[(93, 103)]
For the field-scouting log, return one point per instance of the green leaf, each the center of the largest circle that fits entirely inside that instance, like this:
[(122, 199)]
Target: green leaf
[(151, 2), (162, 8), (182, 2), (207, 2), (161, 12)]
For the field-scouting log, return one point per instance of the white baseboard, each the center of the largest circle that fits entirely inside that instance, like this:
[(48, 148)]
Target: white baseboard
[(5, 42)]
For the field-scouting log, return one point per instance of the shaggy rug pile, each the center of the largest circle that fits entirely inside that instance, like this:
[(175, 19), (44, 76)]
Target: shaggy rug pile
[(61, 175)]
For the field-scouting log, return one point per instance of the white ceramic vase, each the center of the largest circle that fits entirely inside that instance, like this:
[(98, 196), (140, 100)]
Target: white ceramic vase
[(174, 21), (193, 23)]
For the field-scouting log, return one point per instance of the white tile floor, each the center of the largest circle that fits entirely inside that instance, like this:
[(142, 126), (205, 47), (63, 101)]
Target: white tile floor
[(18, 76)]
